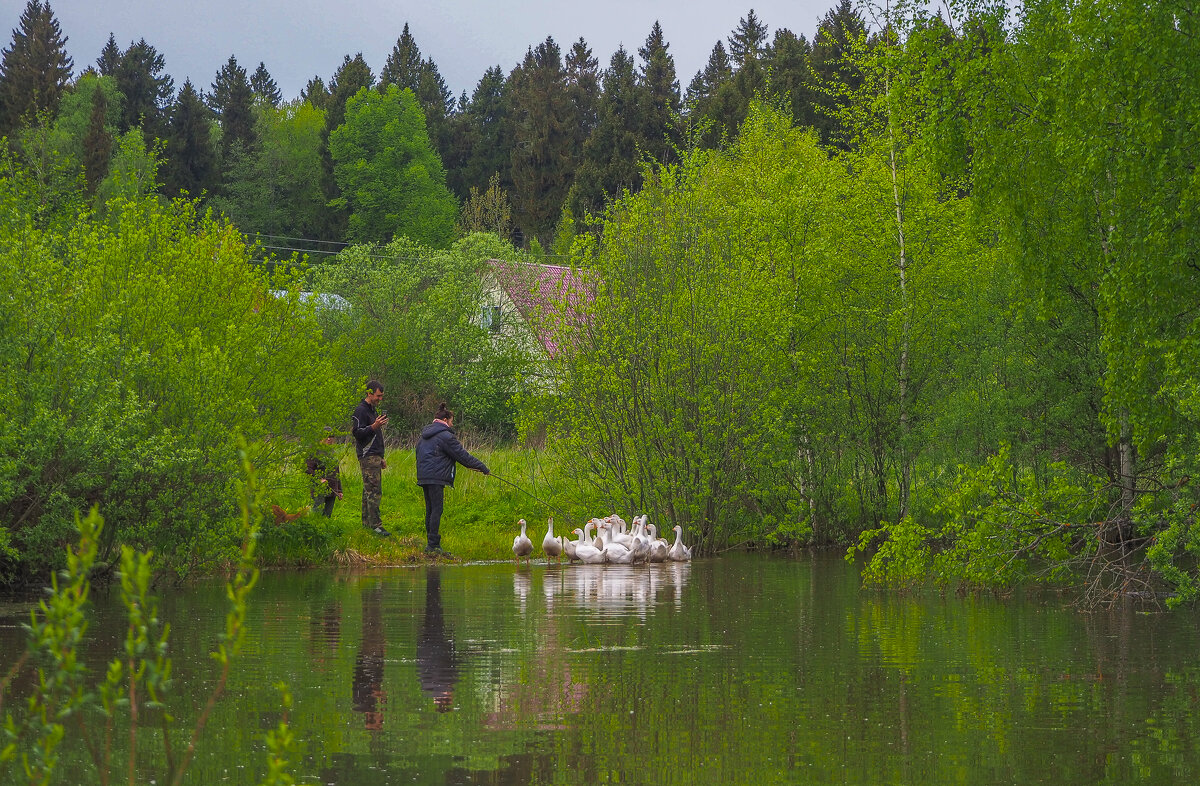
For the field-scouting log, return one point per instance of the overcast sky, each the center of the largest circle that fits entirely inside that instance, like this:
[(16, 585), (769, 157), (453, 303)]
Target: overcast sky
[(299, 39)]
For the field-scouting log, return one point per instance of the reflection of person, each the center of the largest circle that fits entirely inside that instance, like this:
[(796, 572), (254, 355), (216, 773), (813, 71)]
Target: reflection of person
[(437, 664), (367, 427), (327, 486), (438, 454), (367, 690)]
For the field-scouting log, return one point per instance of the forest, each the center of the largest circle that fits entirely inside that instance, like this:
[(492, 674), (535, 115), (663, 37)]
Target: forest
[(924, 286)]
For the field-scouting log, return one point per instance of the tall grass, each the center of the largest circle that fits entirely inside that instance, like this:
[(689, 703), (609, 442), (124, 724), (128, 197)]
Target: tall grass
[(479, 522)]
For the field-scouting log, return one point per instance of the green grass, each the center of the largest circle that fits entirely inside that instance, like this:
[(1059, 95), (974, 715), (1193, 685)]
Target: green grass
[(479, 521)]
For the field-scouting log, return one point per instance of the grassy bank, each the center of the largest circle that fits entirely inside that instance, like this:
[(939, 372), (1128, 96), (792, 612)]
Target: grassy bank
[(479, 522)]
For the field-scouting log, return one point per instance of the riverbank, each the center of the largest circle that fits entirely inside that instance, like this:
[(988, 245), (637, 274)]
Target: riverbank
[(479, 522)]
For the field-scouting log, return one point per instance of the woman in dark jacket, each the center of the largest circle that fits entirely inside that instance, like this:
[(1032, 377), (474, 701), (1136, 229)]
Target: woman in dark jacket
[(438, 453)]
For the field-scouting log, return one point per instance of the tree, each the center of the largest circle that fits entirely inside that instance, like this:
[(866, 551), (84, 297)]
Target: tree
[(791, 79), (392, 179), (483, 132), (315, 93), (840, 32), (747, 41), (110, 57), (276, 188), (658, 99), (543, 153), (264, 86), (353, 75), (232, 100), (406, 68), (97, 143), (191, 160), (34, 68), (404, 64), (706, 112), (610, 162), (107, 315), (147, 90)]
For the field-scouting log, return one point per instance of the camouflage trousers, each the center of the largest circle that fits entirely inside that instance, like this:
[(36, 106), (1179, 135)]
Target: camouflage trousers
[(372, 470)]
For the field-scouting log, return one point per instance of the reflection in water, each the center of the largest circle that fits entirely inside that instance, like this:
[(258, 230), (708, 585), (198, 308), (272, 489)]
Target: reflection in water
[(368, 693), (737, 670), (611, 590), (437, 662)]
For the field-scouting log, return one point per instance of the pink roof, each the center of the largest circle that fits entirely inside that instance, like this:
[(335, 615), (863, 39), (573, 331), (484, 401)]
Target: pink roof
[(539, 291)]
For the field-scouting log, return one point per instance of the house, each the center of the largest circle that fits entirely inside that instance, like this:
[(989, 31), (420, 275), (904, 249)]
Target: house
[(525, 301)]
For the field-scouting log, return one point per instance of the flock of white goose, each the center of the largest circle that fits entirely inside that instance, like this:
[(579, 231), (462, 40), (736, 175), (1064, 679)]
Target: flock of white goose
[(611, 544)]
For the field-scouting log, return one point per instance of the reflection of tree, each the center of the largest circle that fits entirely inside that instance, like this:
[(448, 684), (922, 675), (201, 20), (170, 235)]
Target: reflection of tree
[(368, 665), (437, 662)]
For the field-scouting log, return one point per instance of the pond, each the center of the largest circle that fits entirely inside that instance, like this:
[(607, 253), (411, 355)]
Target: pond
[(739, 669)]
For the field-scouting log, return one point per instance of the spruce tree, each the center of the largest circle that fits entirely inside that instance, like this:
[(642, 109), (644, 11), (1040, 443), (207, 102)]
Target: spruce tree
[(610, 155), (146, 88), (406, 68), (716, 72), (835, 74), (437, 103), (315, 93), (658, 98), (34, 68), (583, 92), (748, 40), (191, 164), (97, 143), (791, 82), (264, 86), (110, 58), (404, 64), (232, 99), (353, 75), (484, 128), (540, 112), (705, 101)]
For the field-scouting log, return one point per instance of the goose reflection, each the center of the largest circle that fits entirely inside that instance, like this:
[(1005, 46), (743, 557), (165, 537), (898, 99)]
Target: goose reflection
[(367, 687), (437, 661), (618, 590)]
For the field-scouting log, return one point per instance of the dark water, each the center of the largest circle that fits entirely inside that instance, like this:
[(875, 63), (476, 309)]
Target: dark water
[(743, 669)]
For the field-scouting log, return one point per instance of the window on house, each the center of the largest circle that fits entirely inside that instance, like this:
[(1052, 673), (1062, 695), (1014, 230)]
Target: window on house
[(490, 319)]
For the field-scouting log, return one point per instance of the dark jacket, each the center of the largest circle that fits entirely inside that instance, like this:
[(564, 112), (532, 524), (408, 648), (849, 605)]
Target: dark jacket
[(437, 451), (367, 441)]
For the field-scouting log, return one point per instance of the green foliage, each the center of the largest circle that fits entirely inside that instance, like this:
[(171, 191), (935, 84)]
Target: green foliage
[(275, 188), (414, 324), (393, 181), (34, 68), (998, 526), (133, 348), (136, 685)]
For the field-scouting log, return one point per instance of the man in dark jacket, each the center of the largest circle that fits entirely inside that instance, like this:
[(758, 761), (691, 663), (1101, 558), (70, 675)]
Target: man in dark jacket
[(367, 426), (438, 453)]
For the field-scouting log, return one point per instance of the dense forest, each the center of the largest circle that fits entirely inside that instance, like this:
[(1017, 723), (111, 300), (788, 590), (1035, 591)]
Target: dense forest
[(561, 132), (925, 284)]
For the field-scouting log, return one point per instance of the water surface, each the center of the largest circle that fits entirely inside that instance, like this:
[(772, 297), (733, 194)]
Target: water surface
[(742, 669)]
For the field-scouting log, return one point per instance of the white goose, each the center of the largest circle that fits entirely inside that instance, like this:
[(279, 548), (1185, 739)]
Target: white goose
[(617, 553), (522, 545), (679, 552), (584, 550), (550, 544), (658, 546), (616, 531), (569, 548)]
